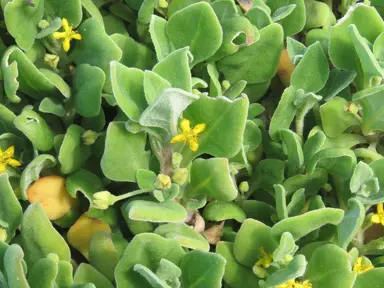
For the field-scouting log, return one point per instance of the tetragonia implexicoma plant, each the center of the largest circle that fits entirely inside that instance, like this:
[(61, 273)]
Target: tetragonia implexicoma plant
[(192, 144)]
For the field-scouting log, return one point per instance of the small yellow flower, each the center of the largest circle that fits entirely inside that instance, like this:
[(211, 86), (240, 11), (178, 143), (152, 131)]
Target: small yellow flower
[(188, 134), (359, 267), (295, 284), (379, 216), (6, 158), (265, 259), (67, 35)]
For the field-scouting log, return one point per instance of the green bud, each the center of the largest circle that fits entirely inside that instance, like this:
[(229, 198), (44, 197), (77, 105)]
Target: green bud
[(51, 60), (163, 4), (176, 160), (327, 187), (89, 137), (43, 24), (102, 200), (225, 84), (3, 235), (180, 176), (244, 187), (260, 271), (288, 258), (163, 182)]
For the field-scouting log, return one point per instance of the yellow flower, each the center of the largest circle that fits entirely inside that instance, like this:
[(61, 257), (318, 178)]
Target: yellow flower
[(295, 284), (67, 35), (265, 259), (6, 158), (189, 135), (359, 267), (379, 216)]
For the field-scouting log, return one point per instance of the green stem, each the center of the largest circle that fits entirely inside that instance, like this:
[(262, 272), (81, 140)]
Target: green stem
[(131, 194), (368, 154)]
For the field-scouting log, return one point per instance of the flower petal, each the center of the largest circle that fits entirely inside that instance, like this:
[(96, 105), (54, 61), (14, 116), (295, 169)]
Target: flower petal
[(65, 24), (9, 152), (185, 125), (3, 167), (380, 209), (178, 138), (13, 162), (60, 35), (375, 218), (67, 44), (194, 145), (76, 36), (199, 128)]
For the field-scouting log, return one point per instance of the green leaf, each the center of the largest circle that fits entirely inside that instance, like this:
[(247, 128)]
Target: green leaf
[(378, 47), (154, 86), (175, 68), (88, 85), (148, 250), (52, 106), (268, 173), (317, 14), (236, 275), (284, 113), (258, 210), (361, 174), (184, 235), (313, 144), (220, 211), (303, 224), (342, 51), (14, 269), (128, 89), (145, 178), (212, 177), (73, 153), (336, 118), (43, 273), (39, 237), (35, 129), (202, 269), (337, 81), (215, 88), (196, 26), (65, 274), (85, 273), (166, 211), (315, 60), (296, 50), (165, 111), (330, 266), (336, 161), (287, 247), (103, 255), (223, 135), (294, 269), (135, 54), (258, 62), (21, 21), (295, 21), (96, 49), (312, 183), (297, 203), (281, 201), (372, 278), (122, 150), (351, 223), (259, 17), (33, 170), (369, 100), (295, 154), (252, 236), (10, 208), (159, 36), (252, 136), (54, 25), (283, 12)]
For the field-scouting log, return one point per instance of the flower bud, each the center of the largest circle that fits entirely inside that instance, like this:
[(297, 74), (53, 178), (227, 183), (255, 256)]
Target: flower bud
[(176, 160), (260, 271), (226, 84), (43, 24), (163, 4), (163, 182), (180, 176), (89, 137), (244, 187), (102, 200), (51, 60)]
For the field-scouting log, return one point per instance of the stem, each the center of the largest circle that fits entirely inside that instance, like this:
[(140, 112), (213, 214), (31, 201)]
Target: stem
[(368, 154), (166, 163), (131, 194)]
